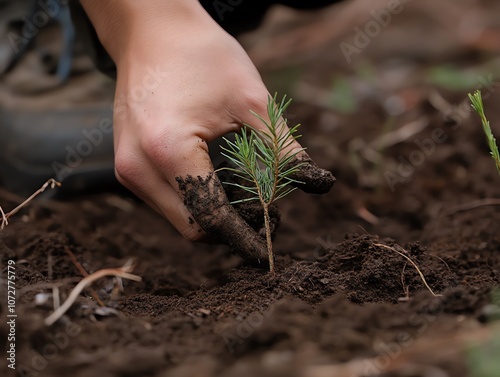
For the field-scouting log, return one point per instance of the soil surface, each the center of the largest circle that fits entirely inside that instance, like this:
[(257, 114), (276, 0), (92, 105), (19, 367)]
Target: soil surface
[(391, 274)]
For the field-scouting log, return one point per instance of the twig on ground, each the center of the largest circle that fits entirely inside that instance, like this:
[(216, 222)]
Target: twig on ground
[(5, 220), (122, 272), (55, 297), (5, 216), (84, 273), (406, 288), (472, 205), (442, 260), (43, 286), (411, 262)]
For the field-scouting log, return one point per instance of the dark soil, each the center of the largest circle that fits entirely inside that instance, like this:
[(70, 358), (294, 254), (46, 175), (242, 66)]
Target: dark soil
[(343, 301)]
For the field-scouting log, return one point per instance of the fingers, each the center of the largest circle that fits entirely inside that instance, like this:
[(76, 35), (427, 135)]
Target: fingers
[(190, 171), (144, 181), (315, 180), (205, 198)]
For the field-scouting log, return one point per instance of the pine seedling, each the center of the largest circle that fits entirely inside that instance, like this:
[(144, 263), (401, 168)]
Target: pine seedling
[(477, 105), (261, 160)]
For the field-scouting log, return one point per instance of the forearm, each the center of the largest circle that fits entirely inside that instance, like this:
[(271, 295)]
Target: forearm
[(129, 24)]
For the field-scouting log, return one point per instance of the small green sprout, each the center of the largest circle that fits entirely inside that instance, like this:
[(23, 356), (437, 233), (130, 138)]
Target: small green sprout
[(261, 159), (477, 105)]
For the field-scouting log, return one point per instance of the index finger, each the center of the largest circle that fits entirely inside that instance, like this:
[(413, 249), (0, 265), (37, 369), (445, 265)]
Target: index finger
[(206, 200), (191, 172)]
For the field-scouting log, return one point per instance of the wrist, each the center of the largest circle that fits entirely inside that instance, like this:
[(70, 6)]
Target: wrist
[(131, 26)]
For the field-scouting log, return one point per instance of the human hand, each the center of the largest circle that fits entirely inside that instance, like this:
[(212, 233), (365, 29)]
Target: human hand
[(181, 83)]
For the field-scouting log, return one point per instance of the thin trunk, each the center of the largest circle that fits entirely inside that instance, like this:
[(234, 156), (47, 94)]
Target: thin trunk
[(267, 224)]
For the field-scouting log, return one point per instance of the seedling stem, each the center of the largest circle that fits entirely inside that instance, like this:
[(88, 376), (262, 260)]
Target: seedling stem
[(261, 159)]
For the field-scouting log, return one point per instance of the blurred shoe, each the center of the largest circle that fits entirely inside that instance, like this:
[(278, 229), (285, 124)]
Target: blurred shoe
[(22, 21), (54, 130), (74, 146)]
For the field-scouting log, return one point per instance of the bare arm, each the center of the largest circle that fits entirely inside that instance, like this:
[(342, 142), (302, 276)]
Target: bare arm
[(182, 82)]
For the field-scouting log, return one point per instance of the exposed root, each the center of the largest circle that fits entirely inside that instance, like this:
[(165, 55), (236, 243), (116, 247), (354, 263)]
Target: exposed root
[(84, 273), (122, 272), (43, 286), (412, 263)]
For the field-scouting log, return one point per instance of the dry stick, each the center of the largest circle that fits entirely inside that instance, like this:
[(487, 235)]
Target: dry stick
[(5, 217), (123, 272), (472, 205), (84, 273), (42, 286), (412, 263), (5, 220)]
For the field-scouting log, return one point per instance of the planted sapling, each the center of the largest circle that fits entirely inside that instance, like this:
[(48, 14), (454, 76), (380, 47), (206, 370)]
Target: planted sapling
[(261, 159), (477, 105)]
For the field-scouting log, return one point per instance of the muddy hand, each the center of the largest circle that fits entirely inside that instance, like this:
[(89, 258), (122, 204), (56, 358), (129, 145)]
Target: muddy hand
[(206, 200), (189, 85), (314, 179)]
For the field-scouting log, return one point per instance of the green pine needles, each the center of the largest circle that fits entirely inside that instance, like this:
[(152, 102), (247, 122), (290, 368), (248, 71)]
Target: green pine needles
[(477, 105), (261, 158)]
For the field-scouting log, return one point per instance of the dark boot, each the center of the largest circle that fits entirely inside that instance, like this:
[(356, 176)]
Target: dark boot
[(55, 113), (55, 108)]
